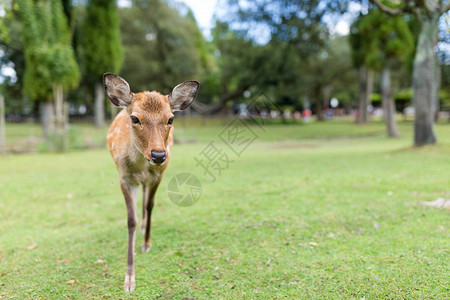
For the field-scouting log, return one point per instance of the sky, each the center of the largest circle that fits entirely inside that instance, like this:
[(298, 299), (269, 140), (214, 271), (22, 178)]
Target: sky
[(203, 11)]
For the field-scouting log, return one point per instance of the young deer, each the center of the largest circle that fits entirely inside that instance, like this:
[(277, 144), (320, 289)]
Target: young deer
[(140, 139)]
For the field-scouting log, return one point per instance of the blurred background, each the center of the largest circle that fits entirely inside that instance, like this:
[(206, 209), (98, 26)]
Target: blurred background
[(313, 112), (317, 60)]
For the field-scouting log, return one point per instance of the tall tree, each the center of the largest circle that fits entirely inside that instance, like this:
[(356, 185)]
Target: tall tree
[(328, 72), (267, 45), (101, 49), (385, 42), (11, 45), (160, 50), (365, 74), (239, 66), (425, 70), (4, 36), (50, 63)]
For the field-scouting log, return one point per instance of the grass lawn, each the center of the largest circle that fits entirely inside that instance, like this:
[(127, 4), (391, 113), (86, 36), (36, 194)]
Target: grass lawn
[(307, 211)]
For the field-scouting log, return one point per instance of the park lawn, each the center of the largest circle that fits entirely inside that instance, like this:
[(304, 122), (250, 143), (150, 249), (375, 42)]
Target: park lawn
[(307, 211), (27, 137)]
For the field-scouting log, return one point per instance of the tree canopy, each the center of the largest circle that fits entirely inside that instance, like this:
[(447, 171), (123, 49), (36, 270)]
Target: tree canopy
[(378, 39), (161, 51), (49, 57), (101, 46)]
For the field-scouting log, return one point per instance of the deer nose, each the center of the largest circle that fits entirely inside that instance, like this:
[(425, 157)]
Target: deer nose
[(158, 157)]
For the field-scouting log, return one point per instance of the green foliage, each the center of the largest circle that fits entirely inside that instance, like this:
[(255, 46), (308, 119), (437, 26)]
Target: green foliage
[(445, 76), (49, 56), (335, 70), (4, 22), (274, 67), (404, 95), (12, 47), (101, 47), (375, 98), (444, 97), (378, 39), (162, 47), (240, 59), (298, 22), (297, 61)]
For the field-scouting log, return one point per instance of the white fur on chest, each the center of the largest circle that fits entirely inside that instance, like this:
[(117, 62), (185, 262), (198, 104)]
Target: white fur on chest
[(135, 169)]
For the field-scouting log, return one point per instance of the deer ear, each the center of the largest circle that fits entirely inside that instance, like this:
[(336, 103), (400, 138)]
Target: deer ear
[(117, 90), (183, 95)]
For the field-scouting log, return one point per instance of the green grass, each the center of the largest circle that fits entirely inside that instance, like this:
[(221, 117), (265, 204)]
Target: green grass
[(307, 211), (25, 138)]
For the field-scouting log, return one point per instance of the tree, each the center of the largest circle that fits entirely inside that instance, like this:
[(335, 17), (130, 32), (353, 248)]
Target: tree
[(11, 45), (160, 50), (425, 71), (2, 124), (384, 42), (329, 72), (294, 33), (50, 63), (4, 36), (101, 49), (238, 67), (365, 74)]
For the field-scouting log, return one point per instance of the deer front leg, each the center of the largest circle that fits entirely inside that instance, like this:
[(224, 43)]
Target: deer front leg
[(150, 201), (130, 194), (145, 191)]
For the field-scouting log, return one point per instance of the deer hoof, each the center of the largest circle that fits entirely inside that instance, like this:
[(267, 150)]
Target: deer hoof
[(130, 284), (146, 248), (129, 289)]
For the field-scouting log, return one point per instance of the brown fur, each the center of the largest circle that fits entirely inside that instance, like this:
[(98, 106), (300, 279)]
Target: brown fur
[(153, 111), (131, 147)]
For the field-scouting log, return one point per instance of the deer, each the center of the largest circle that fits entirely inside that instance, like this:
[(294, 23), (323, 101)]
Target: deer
[(140, 140)]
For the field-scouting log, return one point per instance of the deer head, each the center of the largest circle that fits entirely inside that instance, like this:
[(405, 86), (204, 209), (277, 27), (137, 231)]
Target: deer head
[(151, 113)]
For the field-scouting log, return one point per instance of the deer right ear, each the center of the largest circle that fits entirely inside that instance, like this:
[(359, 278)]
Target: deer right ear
[(183, 95), (117, 90)]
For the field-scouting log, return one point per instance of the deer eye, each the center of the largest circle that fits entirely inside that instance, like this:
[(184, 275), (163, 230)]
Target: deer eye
[(170, 122), (134, 120)]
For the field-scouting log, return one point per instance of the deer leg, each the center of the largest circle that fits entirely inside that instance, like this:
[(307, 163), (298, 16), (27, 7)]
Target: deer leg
[(147, 246), (145, 191), (130, 194)]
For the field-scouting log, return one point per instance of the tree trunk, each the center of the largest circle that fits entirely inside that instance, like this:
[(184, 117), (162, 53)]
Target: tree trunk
[(424, 83), (47, 113), (99, 105), (369, 90), (60, 120), (59, 106), (2, 125), (326, 99), (362, 80), (388, 104), (319, 103), (365, 77), (438, 80)]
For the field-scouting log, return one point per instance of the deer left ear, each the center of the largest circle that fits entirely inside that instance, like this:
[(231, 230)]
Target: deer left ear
[(183, 95), (117, 90)]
